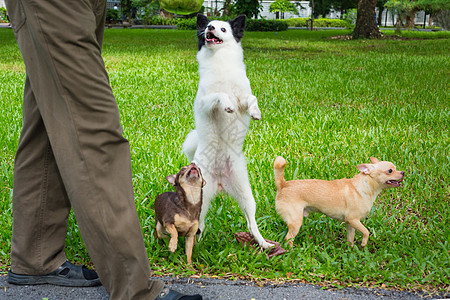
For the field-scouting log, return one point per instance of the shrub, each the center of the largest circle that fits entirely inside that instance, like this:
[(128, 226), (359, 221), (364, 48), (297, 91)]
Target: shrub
[(252, 25), (350, 16), (187, 24), (266, 25), (296, 22), (330, 23), (303, 22), (157, 20), (112, 15), (3, 17)]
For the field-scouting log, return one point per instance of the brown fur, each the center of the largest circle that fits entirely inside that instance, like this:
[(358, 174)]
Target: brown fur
[(177, 213), (348, 200)]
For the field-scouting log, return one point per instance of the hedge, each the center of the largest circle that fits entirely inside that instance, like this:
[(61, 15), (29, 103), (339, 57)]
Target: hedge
[(187, 24), (252, 25), (156, 20), (255, 24), (303, 22), (266, 25)]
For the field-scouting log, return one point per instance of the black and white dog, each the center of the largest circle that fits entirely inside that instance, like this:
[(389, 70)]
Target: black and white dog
[(223, 108)]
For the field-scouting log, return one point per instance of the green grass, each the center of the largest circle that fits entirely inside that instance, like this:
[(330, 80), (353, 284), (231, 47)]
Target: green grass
[(327, 106)]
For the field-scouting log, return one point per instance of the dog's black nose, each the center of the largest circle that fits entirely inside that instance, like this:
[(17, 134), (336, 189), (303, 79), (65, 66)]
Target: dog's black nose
[(211, 28), (403, 173)]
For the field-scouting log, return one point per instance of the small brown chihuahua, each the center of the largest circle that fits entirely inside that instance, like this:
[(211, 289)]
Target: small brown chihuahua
[(348, 200), (177, 213)]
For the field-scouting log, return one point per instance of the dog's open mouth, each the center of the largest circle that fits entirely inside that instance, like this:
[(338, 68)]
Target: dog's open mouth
[(394, 183), (212, 39), (193, 172)]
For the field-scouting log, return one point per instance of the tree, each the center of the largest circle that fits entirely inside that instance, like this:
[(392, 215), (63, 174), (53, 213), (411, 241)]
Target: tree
[(400, 9), (443, 17), (283, 6), (380, 6), (127, 9), (112, 16), (250, 8), (343, 5), (437, 8), (406, 10), (322, 7), (366, 25)]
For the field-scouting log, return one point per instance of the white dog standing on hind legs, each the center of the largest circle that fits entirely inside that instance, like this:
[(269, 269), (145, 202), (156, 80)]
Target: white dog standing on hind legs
[(223, 108)]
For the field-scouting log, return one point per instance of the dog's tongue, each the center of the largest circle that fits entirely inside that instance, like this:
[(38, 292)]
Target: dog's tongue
[(193, 172), (394, 183), (213, 40)]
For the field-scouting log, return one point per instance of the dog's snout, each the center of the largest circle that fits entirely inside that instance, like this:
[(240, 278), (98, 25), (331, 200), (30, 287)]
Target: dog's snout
[(211, 28), (403, 173)]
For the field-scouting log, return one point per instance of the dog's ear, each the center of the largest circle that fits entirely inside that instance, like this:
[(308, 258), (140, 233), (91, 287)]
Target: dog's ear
[(374, 160), (172, 179), (366, 168), (202, 21), (238, 26)]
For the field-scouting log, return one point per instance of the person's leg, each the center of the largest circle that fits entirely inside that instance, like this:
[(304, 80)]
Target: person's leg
[(60, 46), (40, 203)]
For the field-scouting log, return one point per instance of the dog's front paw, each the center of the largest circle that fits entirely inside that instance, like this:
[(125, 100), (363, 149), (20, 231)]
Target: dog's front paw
[(255, 113), (229, 109), (226, 103), (173, 245)]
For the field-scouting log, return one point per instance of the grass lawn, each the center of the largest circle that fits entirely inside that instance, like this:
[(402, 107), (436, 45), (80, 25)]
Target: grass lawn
[(327, 106)]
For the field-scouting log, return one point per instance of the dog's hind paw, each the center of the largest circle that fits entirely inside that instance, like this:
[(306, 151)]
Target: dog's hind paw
[(267, 245), (271, 248)]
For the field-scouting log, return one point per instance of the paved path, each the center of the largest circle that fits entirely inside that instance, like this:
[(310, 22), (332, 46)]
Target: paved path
[(211, 289)]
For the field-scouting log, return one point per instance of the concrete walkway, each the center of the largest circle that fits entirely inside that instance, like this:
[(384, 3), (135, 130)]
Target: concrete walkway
[(211, 289)]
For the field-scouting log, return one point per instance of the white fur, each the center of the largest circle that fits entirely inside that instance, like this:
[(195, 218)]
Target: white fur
[(222, 109)]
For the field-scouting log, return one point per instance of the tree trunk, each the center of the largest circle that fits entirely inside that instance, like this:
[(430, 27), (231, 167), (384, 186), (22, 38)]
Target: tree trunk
[(164, 14), (386, 17), (380, 14), (411, 19), (366, 25), (226, 8)]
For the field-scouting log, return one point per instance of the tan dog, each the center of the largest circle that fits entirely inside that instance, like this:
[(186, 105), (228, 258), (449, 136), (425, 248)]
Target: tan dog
[(177, 213), (348, 200)]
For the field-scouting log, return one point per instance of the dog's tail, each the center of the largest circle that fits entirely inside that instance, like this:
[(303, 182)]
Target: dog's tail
[(278, 170)]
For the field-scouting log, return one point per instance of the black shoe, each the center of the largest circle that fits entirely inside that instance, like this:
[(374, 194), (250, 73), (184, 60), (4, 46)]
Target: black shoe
[(67, 274), (167, 294)]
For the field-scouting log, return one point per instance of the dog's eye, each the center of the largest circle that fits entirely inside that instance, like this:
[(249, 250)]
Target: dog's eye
[(223, 29), (390, 171)]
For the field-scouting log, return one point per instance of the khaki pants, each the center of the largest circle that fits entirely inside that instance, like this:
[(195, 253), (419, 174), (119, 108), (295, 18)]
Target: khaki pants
[(71, 152)]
